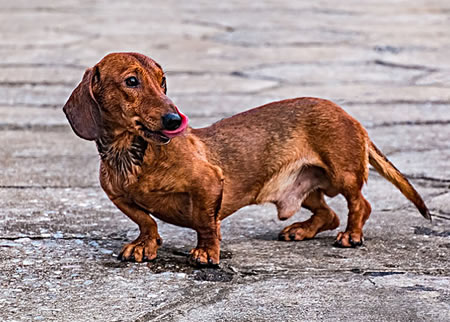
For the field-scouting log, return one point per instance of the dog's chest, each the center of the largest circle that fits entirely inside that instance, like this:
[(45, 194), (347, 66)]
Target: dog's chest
[(124, 161), (172, 207)]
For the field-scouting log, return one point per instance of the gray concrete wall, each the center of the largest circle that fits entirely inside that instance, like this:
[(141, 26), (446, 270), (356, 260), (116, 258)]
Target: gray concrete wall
[(386, 62)]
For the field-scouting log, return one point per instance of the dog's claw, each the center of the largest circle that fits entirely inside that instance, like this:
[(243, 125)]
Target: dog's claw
[(203, 257), (198, 263), (297, 232), (355, 244), (142, 249), (337, 243), (345, 240), (211, 263)]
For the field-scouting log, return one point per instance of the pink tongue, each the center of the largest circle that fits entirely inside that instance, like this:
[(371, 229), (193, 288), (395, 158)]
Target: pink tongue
[(183, 126)]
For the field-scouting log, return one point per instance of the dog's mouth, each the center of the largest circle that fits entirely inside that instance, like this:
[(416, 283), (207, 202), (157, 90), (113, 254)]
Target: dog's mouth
[(163, 136), (157, 136), (180, 129)]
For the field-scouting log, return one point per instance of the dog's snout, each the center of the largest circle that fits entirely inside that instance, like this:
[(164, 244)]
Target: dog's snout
[(171, 121)]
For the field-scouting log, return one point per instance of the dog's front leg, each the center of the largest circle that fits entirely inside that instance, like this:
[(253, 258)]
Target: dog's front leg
[(146, 245), (207, 251)]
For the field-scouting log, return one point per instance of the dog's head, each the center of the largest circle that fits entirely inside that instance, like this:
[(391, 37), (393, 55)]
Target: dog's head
[(124, 92)]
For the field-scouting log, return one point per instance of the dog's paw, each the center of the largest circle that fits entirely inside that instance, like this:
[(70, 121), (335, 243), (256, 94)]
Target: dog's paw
[(204, 257), (297, 231), (349, 239), (142, 249)]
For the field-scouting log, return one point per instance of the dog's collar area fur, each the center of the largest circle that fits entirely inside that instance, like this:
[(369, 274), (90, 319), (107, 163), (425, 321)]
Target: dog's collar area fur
[(122, 158)]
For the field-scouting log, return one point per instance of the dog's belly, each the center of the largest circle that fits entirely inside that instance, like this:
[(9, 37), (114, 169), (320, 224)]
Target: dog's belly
[(291, 185), (172, 207)]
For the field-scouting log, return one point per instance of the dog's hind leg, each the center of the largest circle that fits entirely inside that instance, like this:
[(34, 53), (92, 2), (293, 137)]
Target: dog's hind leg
[(323, 218), (359, 211)]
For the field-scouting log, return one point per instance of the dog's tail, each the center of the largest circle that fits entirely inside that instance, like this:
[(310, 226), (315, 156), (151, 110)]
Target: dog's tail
[(384, 167)]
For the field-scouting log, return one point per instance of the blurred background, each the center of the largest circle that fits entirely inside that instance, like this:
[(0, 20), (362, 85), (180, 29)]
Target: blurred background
[(386, 62)]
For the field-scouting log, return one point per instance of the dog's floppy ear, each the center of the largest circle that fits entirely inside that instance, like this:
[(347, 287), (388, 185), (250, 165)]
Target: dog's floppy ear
[(82, 109)]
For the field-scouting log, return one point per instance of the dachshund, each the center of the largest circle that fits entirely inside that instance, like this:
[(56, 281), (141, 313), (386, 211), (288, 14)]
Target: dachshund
[(290, 153)]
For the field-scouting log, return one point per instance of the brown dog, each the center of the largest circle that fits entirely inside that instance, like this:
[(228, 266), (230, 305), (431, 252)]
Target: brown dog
[(289, 153)]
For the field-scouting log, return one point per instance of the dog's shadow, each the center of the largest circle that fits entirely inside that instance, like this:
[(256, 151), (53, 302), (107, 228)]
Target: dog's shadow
[(273, 236), (175, 260)]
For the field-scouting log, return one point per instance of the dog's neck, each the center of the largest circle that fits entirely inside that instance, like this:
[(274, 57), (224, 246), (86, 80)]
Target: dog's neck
[(124, 153)]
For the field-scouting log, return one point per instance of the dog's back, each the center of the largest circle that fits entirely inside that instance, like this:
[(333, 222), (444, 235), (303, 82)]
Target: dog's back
[(262, 151)]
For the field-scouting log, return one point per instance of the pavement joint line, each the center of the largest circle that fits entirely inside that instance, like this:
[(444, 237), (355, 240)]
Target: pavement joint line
[(66, 45), (46, 187), (269, 78), (38, 9), (339, 63), (441, 215), (41, 65), (404, 66), (426, 178), (424, 150), (409, 123), (438, 194), (33, 84), (33, 127), (37, 237), (412, 177), (208, 24), (398, 102), (52, 106), (306, 44), (284, 44)]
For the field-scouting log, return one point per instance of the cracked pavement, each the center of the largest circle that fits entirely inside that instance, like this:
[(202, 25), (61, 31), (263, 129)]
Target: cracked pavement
[(386, 63)]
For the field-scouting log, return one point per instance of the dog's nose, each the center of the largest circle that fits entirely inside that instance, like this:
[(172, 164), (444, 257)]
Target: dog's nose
[(171, 121)]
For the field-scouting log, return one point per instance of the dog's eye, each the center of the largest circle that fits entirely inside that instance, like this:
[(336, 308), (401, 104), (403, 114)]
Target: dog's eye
[(132, 81), (164, 85)]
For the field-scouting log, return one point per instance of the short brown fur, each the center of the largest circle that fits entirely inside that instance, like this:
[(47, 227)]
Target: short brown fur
[(290, 153)]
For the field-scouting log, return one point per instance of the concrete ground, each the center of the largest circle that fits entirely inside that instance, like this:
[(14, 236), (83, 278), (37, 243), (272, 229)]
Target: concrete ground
[(386, 62)]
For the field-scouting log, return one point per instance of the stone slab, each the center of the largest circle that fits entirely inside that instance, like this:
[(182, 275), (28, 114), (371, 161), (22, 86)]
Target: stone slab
[(385, 62)]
